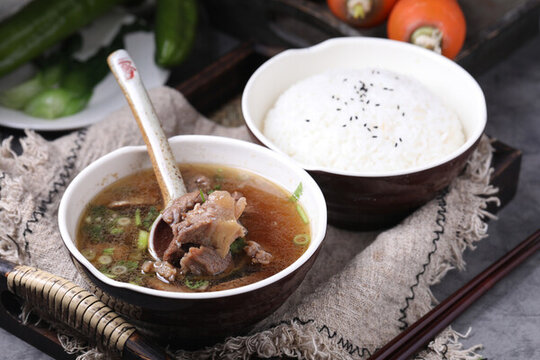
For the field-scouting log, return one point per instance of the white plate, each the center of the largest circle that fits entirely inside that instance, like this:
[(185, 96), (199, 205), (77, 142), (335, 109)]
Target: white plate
[(107, 95)]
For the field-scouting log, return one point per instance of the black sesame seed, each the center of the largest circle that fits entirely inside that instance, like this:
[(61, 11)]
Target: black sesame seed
[(398, 107), (376, 127), (356, 117), (333, 97), (400, 140), (395, 145), (346, 103), (367, 102), (402, 114), (374, 136), (350, 119), (377, 104), (365, 124), (370, 84), (368, 129), (338, 109), (344, 125), (307, 120), (345, 79)]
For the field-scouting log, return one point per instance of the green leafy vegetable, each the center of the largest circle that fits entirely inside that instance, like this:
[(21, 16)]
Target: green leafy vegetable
[(108, 251)]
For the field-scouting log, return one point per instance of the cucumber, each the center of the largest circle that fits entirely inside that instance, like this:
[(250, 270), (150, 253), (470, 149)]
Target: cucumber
[(176, 22), (43, 23)]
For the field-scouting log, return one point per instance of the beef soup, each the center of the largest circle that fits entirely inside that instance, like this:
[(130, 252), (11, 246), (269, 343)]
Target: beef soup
[(233, 228)]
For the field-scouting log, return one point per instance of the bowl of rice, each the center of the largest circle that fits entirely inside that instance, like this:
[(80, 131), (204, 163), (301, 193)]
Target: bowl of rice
[(381, 125)]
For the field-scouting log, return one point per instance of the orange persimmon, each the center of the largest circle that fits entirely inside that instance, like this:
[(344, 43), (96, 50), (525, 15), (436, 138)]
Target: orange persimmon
[(435, 24), (361, 13)]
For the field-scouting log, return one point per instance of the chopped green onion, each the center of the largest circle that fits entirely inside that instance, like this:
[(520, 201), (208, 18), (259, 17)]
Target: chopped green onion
[(108, 251), (302, 213), (90, 254), (116, 231), (123, 221), (202, 195), (217, 187), (150, 217), (138, 217), (297, 193), (301, 239), (105, 259), (107, 274), (129, 264), (119, 269), (142, 241), (193, 285)]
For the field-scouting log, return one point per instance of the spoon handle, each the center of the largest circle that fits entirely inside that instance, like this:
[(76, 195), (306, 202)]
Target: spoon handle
[(167, 173)]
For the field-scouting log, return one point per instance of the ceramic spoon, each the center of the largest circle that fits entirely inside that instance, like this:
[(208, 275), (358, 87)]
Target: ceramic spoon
[(163, 161)]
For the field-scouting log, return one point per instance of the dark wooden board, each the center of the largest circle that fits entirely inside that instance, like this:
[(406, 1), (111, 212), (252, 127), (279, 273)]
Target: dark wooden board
[(494, 27), (210, 89)]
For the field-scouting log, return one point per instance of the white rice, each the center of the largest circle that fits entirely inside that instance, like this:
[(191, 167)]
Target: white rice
[(367, 121)]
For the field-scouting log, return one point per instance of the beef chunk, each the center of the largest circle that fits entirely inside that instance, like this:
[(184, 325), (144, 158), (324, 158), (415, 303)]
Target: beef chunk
[(257, 253), (204, 261), (179, 207), (163, 268), (213, 223)]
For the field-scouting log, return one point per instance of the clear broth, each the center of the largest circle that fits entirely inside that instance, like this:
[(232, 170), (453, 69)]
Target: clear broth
[(271, 218)]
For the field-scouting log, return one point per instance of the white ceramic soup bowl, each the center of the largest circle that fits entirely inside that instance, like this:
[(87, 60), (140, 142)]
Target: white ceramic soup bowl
[(365, 200), (206, 314)]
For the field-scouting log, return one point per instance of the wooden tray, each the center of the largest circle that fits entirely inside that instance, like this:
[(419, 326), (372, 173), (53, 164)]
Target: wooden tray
[(494, 27), (215, 91)]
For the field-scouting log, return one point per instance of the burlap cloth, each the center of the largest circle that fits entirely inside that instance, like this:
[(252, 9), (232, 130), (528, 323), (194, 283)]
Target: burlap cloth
[(362, 291)]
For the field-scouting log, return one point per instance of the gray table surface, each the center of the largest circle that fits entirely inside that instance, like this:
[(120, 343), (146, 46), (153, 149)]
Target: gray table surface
[(506, 320)]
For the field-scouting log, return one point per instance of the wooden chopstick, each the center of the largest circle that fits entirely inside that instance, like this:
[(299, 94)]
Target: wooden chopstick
[(427, 327)]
